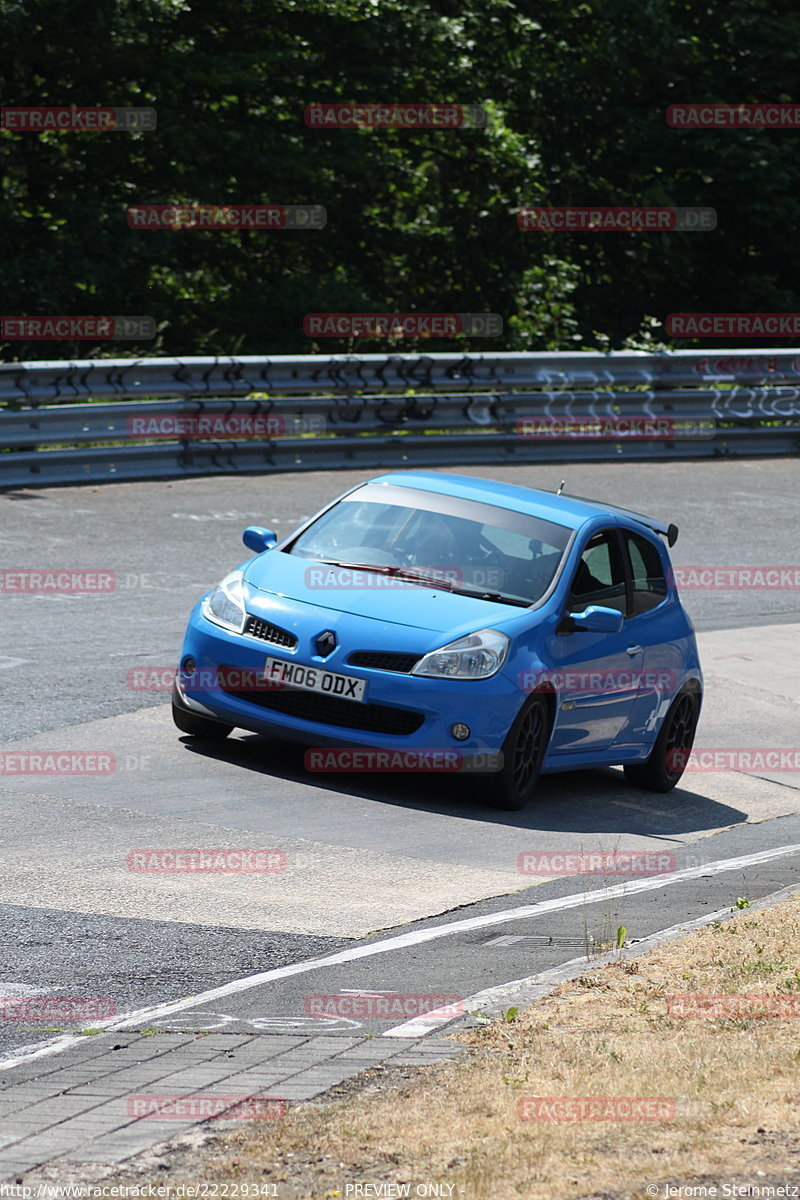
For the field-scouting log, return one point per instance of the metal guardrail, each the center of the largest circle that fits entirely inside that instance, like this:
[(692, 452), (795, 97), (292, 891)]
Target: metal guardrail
[(73, 422)]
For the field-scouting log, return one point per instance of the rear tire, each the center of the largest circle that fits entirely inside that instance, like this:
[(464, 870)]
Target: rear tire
[(523, 753), (200, 727), (670, 754)]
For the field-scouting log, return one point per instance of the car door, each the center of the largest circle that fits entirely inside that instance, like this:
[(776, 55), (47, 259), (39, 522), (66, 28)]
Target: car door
[(595, 675), (645, 625)]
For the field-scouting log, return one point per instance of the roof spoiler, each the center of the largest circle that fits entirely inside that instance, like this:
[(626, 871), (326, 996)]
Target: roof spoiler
[(670, 532)]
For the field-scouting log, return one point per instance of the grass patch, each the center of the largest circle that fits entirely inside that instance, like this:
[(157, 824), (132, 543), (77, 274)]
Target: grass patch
[(733, 1085)]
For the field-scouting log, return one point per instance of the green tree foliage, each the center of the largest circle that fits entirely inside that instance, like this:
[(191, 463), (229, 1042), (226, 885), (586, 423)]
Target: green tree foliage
[(605, 74), (417, 221)]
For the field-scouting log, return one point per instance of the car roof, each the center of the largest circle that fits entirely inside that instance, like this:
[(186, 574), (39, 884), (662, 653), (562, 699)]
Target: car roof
[(572, 511), (565, 510)]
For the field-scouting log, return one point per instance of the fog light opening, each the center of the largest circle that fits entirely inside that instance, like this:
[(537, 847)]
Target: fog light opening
[(188, 666), (460, 731)]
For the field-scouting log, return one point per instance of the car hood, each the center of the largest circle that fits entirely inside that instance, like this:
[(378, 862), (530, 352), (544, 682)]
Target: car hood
[(289, 577)]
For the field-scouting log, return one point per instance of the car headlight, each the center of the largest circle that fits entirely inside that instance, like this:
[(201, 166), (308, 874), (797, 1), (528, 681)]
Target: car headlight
[(225, 605), (475, 656)]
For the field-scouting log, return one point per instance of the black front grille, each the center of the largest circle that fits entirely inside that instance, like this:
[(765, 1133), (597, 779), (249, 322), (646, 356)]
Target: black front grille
[(267, 632), (384, 660), (329, 710)]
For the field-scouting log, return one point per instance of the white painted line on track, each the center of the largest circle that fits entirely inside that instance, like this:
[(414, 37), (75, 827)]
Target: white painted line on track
[(401, 942), (418, 1027)]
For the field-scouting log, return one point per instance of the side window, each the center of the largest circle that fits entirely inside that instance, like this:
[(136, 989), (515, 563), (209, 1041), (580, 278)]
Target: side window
[(649, 584), (600, 578)]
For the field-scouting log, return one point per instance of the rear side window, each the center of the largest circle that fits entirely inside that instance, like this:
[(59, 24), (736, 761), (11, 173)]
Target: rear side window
[(600, 578), (649, 584)]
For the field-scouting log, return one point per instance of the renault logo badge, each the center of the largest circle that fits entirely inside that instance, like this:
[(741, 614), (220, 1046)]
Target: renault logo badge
[(325, 643)]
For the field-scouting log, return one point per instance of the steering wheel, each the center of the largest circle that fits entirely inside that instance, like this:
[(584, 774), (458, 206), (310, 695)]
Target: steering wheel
[(488, 549)]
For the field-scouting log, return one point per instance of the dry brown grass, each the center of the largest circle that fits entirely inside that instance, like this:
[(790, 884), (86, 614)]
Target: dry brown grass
[(735, 1084)]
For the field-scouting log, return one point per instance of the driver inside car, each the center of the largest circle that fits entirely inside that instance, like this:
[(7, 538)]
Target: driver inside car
[(436, 547)]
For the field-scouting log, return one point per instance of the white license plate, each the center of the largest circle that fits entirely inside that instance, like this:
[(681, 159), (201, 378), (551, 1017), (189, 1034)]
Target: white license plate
[(313, 679)]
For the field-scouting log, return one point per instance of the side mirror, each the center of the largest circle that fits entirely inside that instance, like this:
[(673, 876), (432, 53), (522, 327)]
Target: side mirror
[(258, 539), (596, 619)]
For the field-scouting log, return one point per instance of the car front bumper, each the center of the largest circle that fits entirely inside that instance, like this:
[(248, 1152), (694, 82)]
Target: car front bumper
[(401, 711)]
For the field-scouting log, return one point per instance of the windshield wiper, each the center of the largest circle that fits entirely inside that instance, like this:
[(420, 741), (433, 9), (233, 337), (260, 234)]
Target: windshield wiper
[(500, 597), (408, 575), (381, 568)]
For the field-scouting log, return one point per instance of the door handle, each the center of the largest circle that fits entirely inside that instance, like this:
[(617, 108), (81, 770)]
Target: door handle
[(634, 650)]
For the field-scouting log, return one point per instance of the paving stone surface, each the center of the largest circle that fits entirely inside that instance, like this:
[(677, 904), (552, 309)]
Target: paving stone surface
[(78, 1106)]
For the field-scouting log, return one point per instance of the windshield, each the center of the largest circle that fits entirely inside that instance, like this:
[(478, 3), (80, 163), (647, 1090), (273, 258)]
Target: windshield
[(468, 547)]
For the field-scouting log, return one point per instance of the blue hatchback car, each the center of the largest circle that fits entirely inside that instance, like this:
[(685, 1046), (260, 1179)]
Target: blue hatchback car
[(456, 620)]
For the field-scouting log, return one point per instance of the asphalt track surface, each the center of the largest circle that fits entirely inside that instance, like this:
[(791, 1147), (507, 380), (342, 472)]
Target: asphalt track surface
[(367, 857)]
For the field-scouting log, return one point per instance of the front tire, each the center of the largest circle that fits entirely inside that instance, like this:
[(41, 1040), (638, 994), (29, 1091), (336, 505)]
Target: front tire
[(196, 725), (670, 754), (523, 753)]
